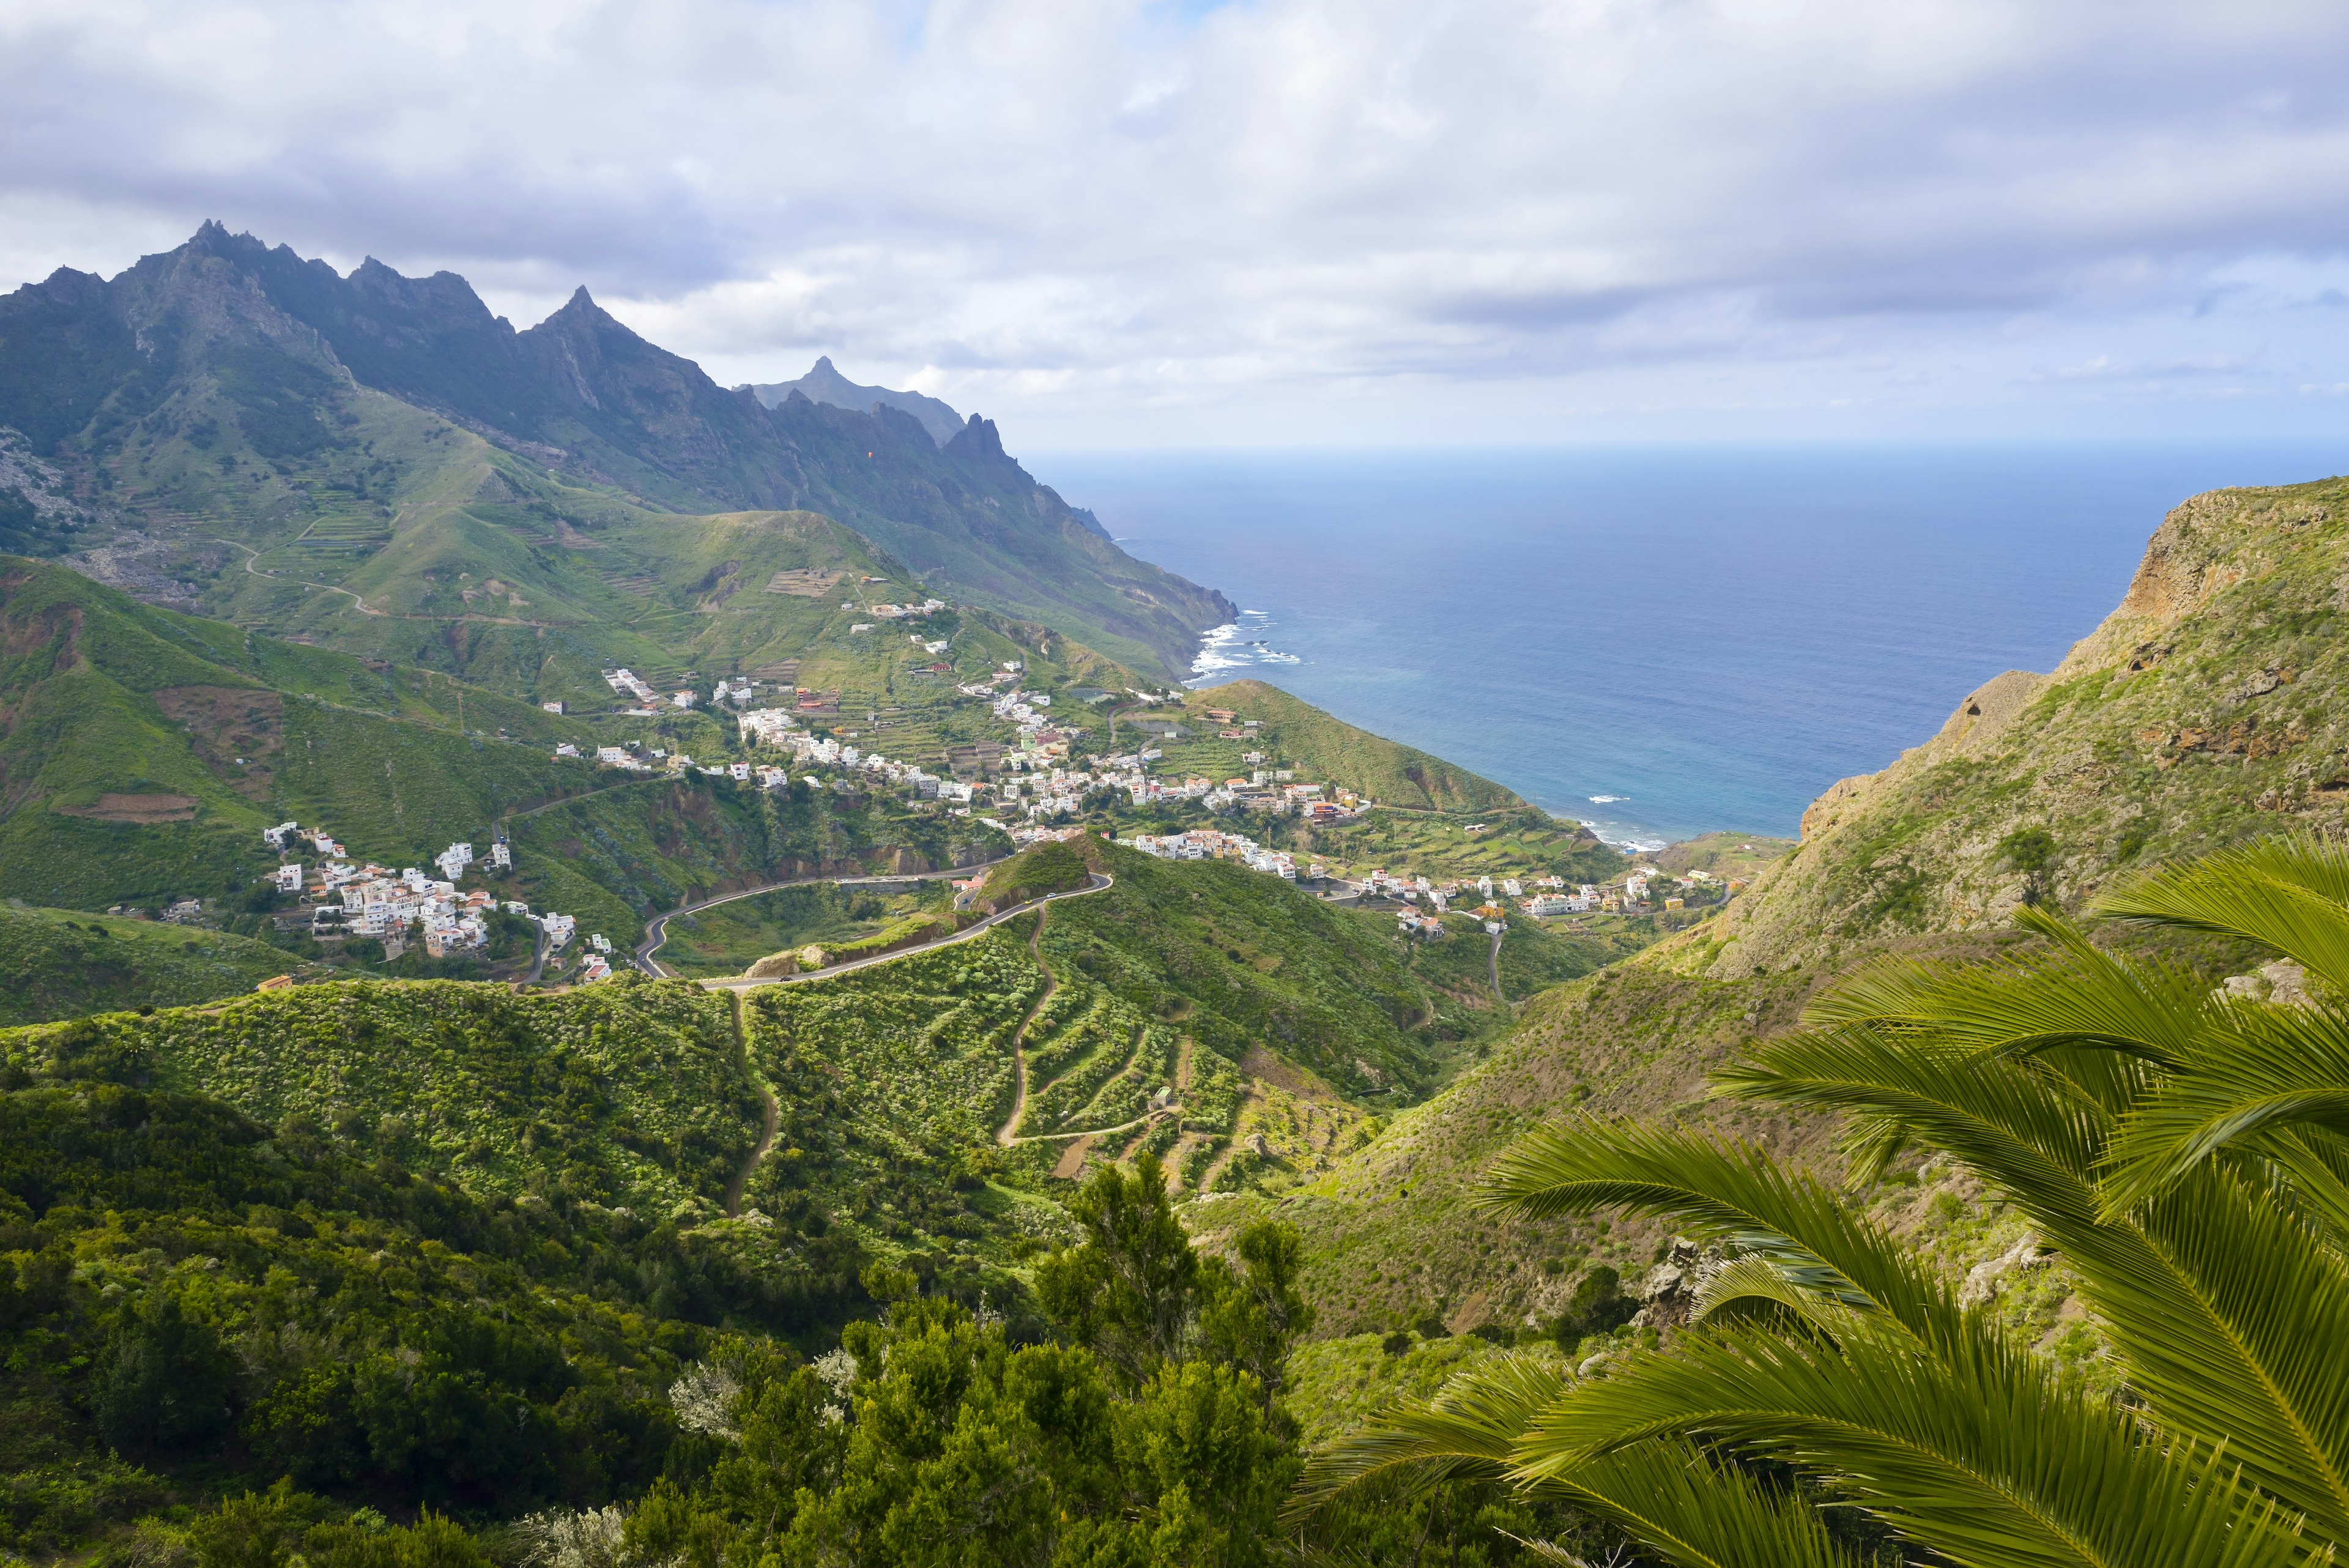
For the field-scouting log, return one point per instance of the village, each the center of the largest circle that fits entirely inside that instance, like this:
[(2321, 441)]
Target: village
[(1039, 785), (346, 899)]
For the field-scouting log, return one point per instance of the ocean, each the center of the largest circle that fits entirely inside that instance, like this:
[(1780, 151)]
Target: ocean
[(1657, 642)]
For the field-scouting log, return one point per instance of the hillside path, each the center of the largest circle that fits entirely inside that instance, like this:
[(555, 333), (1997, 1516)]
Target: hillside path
[(771, 1112), (252, 554), (657, 931), (1101, 884), (1499, 995), (1019, 1037)]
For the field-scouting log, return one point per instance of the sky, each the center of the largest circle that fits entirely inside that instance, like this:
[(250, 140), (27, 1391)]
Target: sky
[(1117, 225)]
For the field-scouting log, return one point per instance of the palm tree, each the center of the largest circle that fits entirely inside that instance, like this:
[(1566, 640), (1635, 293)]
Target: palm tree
[(2185, 1153)]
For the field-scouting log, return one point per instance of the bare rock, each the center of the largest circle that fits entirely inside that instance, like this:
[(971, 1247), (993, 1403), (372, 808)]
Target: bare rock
[(1984, 1280)]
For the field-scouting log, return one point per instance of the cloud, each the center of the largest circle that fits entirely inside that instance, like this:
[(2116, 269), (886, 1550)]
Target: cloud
[(1114, 219)]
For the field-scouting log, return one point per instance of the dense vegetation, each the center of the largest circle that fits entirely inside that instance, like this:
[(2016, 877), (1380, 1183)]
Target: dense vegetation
[(2168, 1146), (191, 1298), (57, 964), (631, 1094)]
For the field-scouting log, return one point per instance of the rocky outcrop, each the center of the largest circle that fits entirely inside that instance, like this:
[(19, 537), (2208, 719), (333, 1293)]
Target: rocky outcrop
[(2207, 708)]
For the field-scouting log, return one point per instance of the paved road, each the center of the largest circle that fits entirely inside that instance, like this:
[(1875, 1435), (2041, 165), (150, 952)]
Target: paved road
[(656, 932), (1099, 884)]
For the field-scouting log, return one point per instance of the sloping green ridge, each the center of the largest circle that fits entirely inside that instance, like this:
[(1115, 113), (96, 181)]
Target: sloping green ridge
[(107, 705), (2206, 710), (2209, 707), (59, 963), (1335, 752)]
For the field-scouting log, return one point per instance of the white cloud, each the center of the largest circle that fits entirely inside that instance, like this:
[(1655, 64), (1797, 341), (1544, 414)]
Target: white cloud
[(1287, 219)]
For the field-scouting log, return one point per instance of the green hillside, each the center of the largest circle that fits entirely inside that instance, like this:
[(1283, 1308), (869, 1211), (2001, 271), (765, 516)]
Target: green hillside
[(1331, 749), (59, 963), (628, 1095), (378, 463)]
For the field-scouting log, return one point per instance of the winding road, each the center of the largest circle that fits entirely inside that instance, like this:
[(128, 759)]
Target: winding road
[(1020, 1035), (657, 932), (1099, 884)]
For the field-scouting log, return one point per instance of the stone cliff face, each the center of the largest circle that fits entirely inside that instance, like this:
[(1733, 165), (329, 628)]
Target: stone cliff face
[(2207, 708)]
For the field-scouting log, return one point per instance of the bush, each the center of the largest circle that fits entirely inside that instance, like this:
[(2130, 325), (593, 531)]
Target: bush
[(1598, 1306)]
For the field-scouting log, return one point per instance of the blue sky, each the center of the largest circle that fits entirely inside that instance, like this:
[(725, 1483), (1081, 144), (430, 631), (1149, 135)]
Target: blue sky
[(1287, 221)]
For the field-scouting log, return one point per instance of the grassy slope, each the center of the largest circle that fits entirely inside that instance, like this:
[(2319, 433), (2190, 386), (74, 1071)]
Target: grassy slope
[(56, 964), (729, 938), (105, 696), (626, 852), (1331, 751), (2237, 586), (2208, 708)]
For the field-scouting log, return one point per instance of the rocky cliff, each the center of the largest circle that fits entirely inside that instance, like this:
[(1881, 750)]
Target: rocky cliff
[(2207, 708)]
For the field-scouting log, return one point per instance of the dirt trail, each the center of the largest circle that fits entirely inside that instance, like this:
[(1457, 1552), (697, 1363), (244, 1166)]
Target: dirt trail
[(1502, 996), (771, 1107), (1010, 1131), (1125, 1071)]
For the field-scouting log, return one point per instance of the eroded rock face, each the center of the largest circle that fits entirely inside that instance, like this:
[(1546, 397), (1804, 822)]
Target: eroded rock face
[(1984, 1280), (2282, 982), (1667, 1294)]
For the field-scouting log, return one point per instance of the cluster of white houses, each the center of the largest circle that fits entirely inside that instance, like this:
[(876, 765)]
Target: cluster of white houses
[(371, 900), (629, 682), (1209, 843)]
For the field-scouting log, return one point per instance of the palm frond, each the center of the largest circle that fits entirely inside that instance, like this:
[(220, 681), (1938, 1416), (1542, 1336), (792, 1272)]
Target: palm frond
[(2006, 1117), (1691, 1511), (2288, 893), (1726, 1191), (1980, 1453), (1467, 1431), (2069, 992), (2227, 1311), (2260, 1069)]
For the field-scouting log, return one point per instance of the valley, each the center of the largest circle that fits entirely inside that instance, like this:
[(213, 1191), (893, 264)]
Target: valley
[(979, 968)]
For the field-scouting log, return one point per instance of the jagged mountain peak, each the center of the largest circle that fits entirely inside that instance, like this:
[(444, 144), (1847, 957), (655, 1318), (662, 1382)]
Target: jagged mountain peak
[(824, 383), (285, 339)]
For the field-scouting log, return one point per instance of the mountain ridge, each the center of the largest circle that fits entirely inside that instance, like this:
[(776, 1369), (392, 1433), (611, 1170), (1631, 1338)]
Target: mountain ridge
[(824, 383), (2205, 709), (232, 381)]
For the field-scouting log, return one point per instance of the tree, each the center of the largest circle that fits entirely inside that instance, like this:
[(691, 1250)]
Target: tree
[(2183, 1152), (166, 1380), (1129, 1292), (1252, 1314)]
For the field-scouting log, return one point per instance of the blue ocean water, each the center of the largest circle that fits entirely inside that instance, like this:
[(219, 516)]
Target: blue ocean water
[(1657, 642)]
